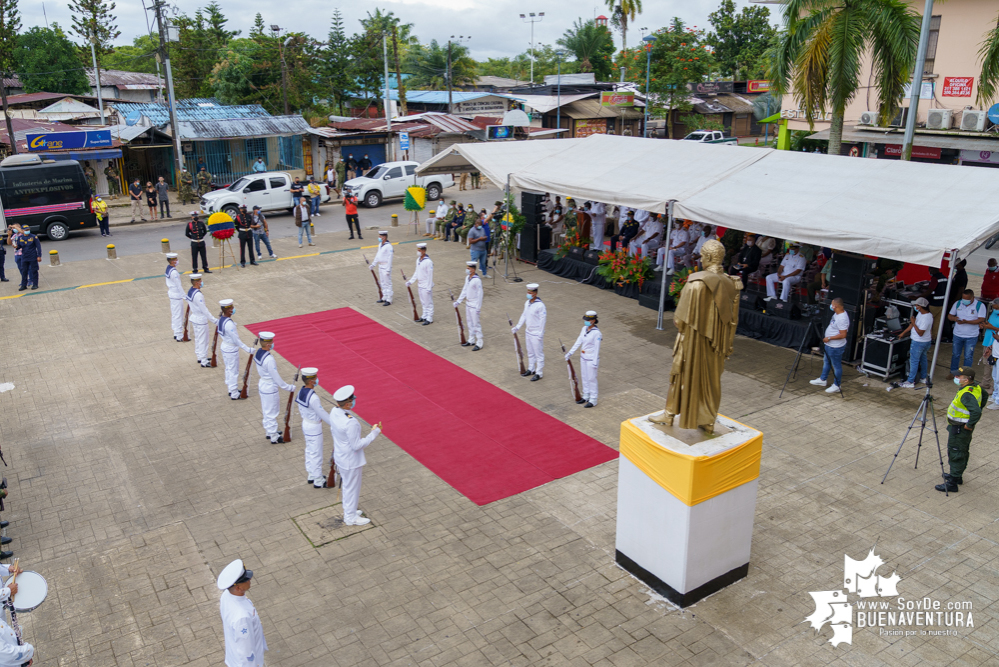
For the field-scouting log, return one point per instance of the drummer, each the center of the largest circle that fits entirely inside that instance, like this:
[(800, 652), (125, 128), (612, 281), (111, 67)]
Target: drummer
[(12, 654), (5, 572)]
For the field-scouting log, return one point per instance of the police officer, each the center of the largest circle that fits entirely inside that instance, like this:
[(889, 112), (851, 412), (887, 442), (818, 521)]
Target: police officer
[(383, 260), (231, 344), (267, 386), (962, 415), (244, 636), (199, 320), (197, 231), (589, 357), (471, 294), (175, 292), (313, 416), (348, 452), (31, 256), (534, 316), (186, 189)]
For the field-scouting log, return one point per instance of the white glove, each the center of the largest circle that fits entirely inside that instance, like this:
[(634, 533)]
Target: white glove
[(568, 355), (514, 330), (408, 283)]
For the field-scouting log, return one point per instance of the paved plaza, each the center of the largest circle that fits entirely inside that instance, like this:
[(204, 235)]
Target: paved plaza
[(134, 480)]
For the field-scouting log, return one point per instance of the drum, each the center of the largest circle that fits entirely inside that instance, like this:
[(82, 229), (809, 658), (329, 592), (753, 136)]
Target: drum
[(32, 589)]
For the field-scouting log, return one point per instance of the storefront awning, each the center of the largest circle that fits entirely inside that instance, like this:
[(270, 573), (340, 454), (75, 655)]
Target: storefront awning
[(107, 154), (852, 135)]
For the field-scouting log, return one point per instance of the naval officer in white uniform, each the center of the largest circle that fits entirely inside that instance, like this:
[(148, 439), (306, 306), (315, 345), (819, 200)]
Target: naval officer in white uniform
[(200, 315), (175, 291), (267, 386), (424, 274), (348, 452), (313, 416), (471, 294), (383, 260), (231, 345), (534, 316), (589, 357), (244, 636)]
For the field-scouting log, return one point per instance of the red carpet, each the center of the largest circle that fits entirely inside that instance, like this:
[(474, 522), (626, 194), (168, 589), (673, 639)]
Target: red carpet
[(508, 447)]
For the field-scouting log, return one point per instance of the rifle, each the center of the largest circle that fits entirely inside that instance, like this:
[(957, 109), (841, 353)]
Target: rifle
[(287, 414), (215, 341), (246, 375), (457, 313), (573, 383), (516, 346), (416, 318), (187, 316), (374, 275)]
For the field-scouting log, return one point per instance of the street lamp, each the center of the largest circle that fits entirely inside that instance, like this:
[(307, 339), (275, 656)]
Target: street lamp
[(649, 40), (284, 68), (534, 18), (460, 39), (559, 54)]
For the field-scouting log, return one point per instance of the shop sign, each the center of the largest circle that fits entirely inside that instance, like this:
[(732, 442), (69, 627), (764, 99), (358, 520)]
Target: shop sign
[(585, 128), (612, 99), (925, 91), (992, 157), (54, 141), (757, 86), (794, 114), (957, 86), (495, 107), (925, 152), (710, 87)]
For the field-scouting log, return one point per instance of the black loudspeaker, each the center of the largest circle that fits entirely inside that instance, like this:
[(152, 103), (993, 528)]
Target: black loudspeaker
[(533, 207), (750, 300), (544, 237), (592, 257), (783, 309), (529, 243), (576, 253), (851, 334), (849, 277)]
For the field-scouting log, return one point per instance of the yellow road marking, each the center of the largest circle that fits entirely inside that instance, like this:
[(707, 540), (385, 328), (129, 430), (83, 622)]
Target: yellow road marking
[(113, 282), (12, 296), (311, 254)]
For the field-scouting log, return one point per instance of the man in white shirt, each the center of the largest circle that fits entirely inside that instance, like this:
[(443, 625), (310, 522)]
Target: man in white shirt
[(313, 416), (175, 291), (348, 452), (966, 315), (383, 261), (767, 245), (231, 345), (598, 214), (424, 274), (534, 316), (651, 237), (921, 337), (244, 635), (199, 317), (440, 214), (471, 294), (268, 385), (835, 346), (678, 242), (789, 273)]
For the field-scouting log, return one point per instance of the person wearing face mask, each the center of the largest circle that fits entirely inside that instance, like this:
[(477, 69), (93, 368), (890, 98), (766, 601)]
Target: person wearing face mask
[(424, 274), (962, 415), (348, 452), (267, 386), (990, 281), (706, 234), (471, 294), (135, 195), (589, 340), (383, 260), (598, 214), (991, 343), (534, 316), (747, 260), (789, 273), (966, 315), (921, 332), (199, 320), (313, 415), (175, 292), (679, 242), (835, 346), (231, 345)]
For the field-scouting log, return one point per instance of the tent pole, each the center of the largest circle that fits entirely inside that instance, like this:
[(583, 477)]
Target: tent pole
[(943, 318), (662, 288)]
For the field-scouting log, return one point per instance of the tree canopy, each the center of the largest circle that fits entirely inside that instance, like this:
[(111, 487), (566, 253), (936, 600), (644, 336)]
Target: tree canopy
[(740, 40), (48, 61)]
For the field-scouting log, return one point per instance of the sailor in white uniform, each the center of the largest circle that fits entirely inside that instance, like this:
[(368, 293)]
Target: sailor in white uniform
[(244, 636), (175, 290), (383, 260), (598, 217), (589, 357), (348, 452), (231, 345), (424, 274), (267, 386), (12, 654), (534, 316), (200, 315), (471, 294), (313, 416)]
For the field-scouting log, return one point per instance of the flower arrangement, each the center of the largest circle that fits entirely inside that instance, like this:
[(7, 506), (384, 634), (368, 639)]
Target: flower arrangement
[(221, 226), (573, 239), (622, 269), (679, 282)]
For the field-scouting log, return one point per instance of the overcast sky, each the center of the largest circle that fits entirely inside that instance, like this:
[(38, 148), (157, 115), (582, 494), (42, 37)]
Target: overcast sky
[(494, 25)]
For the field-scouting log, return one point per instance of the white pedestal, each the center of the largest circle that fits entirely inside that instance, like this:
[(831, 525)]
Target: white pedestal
[(693, 538)]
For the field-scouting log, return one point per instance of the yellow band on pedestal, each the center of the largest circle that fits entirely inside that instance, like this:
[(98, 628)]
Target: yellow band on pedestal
[(692, 479)]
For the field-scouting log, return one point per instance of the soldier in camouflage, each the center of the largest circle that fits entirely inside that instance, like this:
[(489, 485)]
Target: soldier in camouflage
[(185, 191), (204, 182)]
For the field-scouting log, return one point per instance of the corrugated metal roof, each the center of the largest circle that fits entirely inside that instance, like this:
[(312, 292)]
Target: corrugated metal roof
[(449, 124), (593, 109), (69, 105), (129, 132), (195, 109), (109, 77), (27, 98), (439, 96), (735, 102), (234, 128)]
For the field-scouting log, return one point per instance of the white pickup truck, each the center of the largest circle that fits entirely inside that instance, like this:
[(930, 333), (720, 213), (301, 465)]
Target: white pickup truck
[(711, 137), (270, 190), (390, 179)]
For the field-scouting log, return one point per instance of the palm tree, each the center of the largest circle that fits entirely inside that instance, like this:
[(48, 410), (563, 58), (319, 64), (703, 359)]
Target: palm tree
[(988, 84), (819, 56), (428, 66), (624, 11), (588, 42)]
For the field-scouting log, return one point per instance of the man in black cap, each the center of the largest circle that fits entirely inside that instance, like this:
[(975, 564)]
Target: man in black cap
[(962, 415), (197, 231), (244, 226)]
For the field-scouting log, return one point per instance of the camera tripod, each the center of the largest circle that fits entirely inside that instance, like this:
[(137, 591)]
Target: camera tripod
[(925, 406), (812, 326)]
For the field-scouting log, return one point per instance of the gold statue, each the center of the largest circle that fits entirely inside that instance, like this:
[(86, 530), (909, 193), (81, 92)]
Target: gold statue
[(706, 318)]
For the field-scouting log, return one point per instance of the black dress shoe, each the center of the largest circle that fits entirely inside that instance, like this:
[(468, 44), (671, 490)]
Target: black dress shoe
[(243, 264), (254, 264), (581, 401), (535, 378), (588, 405), (360, 237), (206, 271), (4, 524), (5, 540), (387, 303), (6, 554), (476, 348), (466, 344), (426, 322), (279, 441), (4, 280), (351, 238), (380, 301), (526, 373), (22, 288), (34, 287)]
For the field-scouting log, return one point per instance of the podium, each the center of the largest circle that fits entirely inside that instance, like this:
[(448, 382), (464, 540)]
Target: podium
[(686, 504)]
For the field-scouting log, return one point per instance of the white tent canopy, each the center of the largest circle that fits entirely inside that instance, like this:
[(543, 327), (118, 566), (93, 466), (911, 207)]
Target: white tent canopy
[(908, 211), (494, 160)]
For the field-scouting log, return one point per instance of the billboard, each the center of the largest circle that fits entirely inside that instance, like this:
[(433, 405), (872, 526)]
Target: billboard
[(494, 132), (613, 99), (757, 86), (55, 141)]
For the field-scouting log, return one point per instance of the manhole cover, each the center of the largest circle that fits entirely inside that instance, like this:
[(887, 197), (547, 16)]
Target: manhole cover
[(326, 525)]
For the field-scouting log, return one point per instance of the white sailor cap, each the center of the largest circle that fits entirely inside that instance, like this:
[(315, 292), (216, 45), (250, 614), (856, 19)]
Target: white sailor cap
[(233, 573), (383, 233), (591, 313), (421, 245), (310, 372), (171, 255), (344, 393), (195, 276), (266, 335), (225, 302), (472, 263), (533, 287)]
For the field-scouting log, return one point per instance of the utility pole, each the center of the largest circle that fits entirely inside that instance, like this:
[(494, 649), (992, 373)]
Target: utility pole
[(164, 55), (917, 81), (450, 102), (6, 114), (97, 72), (388, 116), (534, 19)]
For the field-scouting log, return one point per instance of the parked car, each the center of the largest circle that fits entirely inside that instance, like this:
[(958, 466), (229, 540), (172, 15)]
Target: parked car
[(711, 137), (270, 190), (52, 197), (390, 179)]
